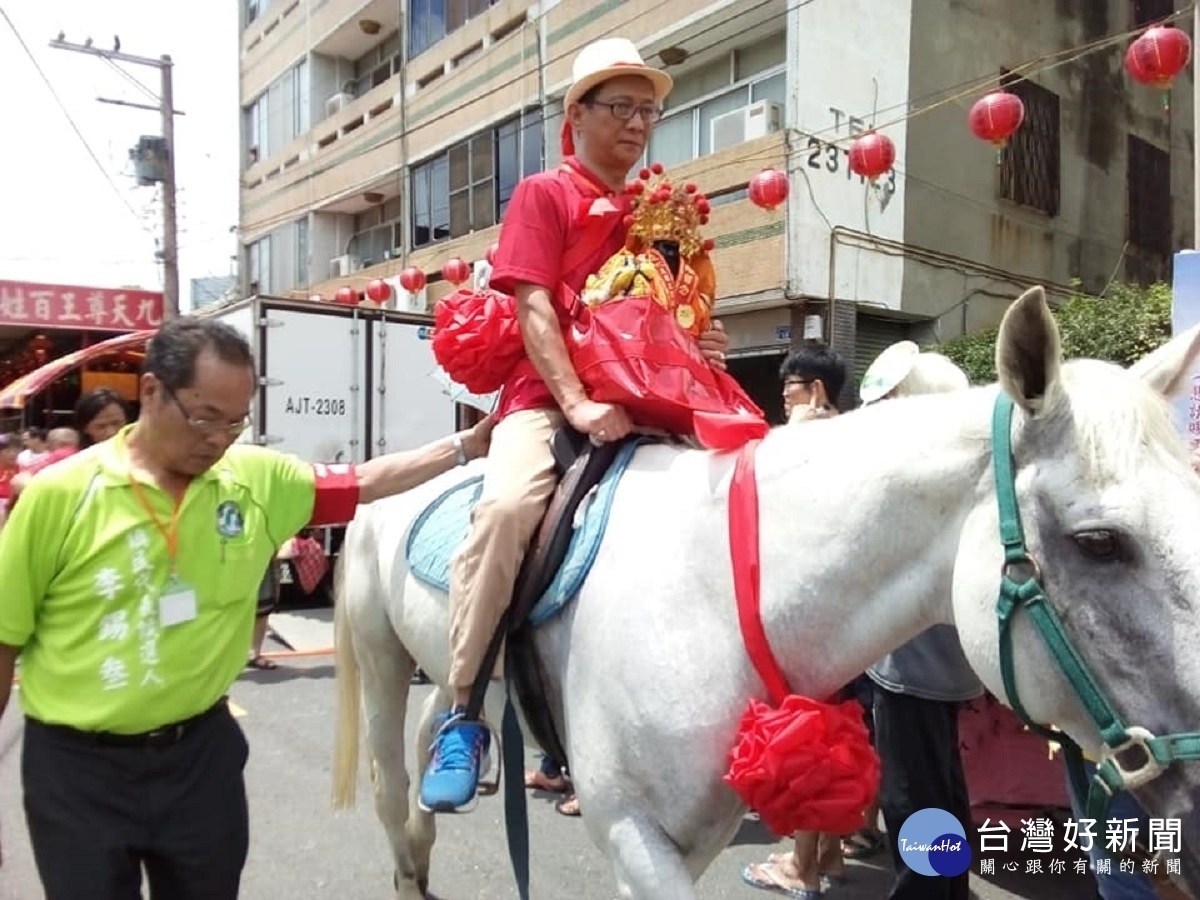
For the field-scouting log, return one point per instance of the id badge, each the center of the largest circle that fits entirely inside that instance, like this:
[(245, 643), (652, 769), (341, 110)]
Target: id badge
[(177, 603)]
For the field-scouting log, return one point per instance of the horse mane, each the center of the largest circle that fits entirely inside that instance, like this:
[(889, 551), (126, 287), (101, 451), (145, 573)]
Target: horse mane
[(1114, 418)]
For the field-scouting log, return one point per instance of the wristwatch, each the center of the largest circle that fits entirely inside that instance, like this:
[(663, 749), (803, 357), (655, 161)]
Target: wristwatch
[(461, 451)]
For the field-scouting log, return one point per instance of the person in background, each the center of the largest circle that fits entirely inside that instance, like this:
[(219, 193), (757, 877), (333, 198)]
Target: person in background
[(34, 440), (268, 602), (920, 687), (813, 377), (99, 415), (10, 449), (61, 443)]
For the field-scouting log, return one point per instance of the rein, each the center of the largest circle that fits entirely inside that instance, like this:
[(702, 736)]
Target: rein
[(1132, 755)]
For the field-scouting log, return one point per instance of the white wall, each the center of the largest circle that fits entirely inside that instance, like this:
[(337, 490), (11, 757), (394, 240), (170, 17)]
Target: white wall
[(848, 71)]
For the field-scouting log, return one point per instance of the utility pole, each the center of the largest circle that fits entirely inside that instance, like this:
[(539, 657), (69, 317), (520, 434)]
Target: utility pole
[(166, 107)]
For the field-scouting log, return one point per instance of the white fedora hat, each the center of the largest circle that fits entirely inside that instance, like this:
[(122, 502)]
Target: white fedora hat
[(611, 58)]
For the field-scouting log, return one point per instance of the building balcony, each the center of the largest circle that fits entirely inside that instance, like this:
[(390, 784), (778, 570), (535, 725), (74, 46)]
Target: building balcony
[(350, 30), (343, 156)]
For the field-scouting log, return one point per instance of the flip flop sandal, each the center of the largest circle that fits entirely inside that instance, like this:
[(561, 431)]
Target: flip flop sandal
[(862, 844), (261, 663), (568, 806), (539, 781), (767, 877)]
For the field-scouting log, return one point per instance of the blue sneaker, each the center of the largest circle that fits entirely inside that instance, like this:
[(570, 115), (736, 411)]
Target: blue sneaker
[(459, 747)]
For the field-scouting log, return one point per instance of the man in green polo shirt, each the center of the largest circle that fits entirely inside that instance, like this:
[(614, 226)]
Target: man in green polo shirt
[(130, 575)]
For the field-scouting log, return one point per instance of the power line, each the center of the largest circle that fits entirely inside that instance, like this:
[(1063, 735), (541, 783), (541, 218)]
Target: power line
[(66, 113)]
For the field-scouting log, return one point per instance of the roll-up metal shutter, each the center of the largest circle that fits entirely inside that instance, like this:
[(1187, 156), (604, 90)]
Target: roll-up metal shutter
[(873, 335)]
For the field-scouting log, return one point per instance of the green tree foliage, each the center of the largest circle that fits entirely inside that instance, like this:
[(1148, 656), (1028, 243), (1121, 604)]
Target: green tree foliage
[(1121, 327)]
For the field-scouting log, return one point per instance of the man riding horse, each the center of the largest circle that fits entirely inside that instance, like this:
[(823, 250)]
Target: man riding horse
[(560, 227)]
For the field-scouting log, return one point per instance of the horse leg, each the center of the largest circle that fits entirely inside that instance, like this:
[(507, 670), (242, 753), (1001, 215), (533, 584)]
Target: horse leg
[(387, 668), (422, 826), (647, 863)]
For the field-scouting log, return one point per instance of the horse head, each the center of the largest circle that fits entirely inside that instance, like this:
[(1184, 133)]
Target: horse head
[(1109, 540)]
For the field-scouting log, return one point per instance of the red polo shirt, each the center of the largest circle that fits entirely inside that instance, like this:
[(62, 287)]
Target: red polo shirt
[(550, 212)]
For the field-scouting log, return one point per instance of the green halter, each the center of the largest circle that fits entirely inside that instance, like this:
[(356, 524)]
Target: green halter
[(1132, 756)]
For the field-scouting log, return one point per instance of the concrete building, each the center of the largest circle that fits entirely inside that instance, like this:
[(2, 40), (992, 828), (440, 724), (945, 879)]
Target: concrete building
[(380, 134)]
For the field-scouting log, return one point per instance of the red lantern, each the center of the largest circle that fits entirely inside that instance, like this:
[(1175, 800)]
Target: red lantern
[(346, 296), (492, 250), (872, 154), (1158, 56), (768, 188), (379, 290), (412, 280), (995, 117), (456, 270)]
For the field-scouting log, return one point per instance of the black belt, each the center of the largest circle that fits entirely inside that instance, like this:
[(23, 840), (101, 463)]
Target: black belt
[(166, 736)]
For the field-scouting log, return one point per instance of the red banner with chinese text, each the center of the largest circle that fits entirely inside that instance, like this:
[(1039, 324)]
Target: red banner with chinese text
[(34, 305)]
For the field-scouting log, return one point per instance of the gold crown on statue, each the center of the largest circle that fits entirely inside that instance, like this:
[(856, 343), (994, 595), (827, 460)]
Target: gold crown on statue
[(663, 211)]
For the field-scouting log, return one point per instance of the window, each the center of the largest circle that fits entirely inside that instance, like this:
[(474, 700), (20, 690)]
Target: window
[(257, 144), (302, 251), (432, 20), (468, 187), (252, 9), (1148, 193), (278, 262), (1148, 12), (278, 115), (730, 82), (377, 233), (378, 65), (1029, 165)]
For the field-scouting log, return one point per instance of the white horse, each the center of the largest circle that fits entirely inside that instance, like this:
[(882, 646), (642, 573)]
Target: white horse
[(875, 526)]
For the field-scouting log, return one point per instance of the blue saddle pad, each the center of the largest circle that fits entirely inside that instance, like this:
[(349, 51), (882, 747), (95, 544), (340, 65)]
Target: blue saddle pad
[(444, 524)]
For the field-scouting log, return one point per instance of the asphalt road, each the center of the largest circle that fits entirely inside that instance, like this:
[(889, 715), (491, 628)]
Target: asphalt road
[(300, 849)]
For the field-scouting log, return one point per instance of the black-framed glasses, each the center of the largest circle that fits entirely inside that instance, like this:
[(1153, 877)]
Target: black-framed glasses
[(798, 382), (625, 111), (206, 426)]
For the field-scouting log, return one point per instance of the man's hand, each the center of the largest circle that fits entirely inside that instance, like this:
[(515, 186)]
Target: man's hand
[(478, 439), (714, 343), (600, 421)]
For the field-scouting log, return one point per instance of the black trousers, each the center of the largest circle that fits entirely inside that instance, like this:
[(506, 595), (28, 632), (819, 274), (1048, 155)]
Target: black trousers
[(921, 766), (97, 814)]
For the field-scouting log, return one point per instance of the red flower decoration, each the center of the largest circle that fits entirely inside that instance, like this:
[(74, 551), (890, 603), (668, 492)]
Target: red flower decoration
[(806, 766), (476, 338)]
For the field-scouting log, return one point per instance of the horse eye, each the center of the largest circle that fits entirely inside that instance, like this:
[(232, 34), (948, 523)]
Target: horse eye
[(1101, 545)]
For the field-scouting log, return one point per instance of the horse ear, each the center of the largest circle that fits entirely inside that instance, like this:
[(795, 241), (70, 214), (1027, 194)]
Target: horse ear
[(1166, 369), (1029, 350)]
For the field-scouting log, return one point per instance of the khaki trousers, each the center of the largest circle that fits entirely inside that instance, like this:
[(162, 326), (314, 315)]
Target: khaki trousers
[(516, 491)]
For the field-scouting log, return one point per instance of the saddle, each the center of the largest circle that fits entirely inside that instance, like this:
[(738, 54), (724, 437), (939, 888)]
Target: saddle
[(580, 465)]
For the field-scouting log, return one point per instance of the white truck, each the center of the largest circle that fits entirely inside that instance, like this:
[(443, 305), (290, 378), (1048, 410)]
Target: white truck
[(341, 384)]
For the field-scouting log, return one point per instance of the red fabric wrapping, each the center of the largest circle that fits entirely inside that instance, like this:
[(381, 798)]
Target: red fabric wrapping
[(336, 494), (631, 352), (805, 765), (477, 338)]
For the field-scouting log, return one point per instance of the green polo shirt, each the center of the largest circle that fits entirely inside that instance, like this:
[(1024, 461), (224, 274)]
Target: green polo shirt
[(83, 567)]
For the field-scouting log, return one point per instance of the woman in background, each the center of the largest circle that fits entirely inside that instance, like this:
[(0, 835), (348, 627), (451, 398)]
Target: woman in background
[(99, 415)]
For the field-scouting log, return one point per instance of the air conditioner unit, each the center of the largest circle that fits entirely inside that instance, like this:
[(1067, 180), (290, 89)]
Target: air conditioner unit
[(745, 124), (341, 266), (337, 103), (407, 301)]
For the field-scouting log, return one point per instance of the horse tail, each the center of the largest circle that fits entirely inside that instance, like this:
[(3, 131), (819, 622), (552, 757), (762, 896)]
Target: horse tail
[(349, 692)]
